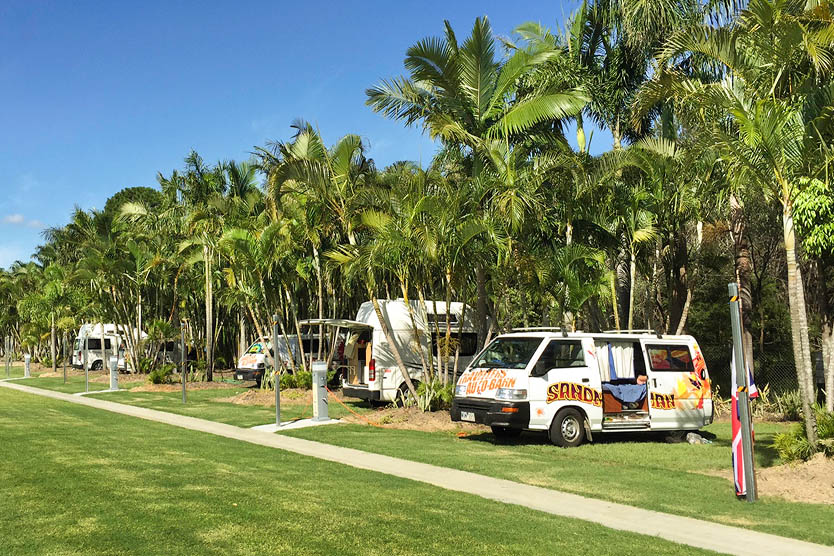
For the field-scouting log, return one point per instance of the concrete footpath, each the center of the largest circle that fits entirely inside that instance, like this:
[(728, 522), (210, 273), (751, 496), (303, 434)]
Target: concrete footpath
[(684, 530)]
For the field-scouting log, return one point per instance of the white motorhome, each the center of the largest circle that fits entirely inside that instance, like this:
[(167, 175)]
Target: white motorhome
[(367, 364), (253, 362), (91, 335), (573, 385)]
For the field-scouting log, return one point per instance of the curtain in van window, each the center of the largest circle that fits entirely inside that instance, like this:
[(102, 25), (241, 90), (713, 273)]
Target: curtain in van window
[(621, 353)]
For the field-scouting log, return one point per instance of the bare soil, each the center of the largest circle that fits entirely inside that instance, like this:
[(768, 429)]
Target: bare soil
[(411, 418), (178, 386), (808, 481), (255, 396)]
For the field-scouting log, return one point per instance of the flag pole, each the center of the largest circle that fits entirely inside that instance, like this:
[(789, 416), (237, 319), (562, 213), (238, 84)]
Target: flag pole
[(743, 381)]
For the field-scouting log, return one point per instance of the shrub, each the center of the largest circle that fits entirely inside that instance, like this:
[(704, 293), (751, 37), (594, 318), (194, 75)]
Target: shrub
[(789, 405), (433, 395), (162, 374), (145, 364), (794, 446)]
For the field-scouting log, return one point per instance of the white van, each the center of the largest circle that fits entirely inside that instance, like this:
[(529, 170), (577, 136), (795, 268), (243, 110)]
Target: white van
[(575, 384), (91, 335), (252, 364), (368, 367)]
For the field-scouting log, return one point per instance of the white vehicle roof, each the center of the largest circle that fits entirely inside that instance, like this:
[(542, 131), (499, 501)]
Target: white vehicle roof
[(607, 335)]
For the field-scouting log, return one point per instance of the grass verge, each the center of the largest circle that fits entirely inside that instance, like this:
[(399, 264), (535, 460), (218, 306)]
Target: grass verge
[(638, 470), (84, 481)]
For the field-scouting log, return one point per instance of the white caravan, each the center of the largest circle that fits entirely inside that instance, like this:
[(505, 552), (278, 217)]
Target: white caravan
[(367, 365), (252, 364), (576, 384), (91, 335)]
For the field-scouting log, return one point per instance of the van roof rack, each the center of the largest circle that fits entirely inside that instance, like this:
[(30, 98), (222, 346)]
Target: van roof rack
[(543, 329), (634, 331)]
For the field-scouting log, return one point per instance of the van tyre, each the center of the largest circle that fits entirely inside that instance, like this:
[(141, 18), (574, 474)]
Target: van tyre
[(568, 428), (404, 394), (505, 432)]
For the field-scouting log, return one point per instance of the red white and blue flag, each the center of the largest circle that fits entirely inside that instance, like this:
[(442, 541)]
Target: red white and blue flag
[(738, 451)]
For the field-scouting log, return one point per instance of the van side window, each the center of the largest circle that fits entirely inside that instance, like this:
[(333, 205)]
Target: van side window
[(559, 354), (669, 358), (468, 343)]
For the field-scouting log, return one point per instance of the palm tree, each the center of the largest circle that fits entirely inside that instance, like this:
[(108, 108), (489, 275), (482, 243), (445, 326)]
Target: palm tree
[(463, 95), (773, 112)]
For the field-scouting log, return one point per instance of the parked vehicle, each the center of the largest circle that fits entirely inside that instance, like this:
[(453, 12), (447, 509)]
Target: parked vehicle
[(367, 366), (91, 335), (576, 384), (253, 363)]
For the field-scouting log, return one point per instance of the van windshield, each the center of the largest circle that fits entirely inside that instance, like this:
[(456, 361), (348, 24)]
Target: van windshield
[(508, 353)]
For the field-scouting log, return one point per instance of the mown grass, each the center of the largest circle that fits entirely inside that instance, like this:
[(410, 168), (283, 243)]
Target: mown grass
[(204, 404), (638, 470), (77, 480), (76, 382)]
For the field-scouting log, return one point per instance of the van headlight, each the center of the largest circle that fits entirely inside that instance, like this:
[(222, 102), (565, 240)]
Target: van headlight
[(511, 394), (460, 390)]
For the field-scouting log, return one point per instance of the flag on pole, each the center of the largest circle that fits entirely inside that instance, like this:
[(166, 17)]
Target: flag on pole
[(738, 451), (752, 391)]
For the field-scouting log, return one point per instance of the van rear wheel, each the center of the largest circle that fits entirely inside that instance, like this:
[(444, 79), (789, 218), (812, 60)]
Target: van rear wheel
[(505, 432), (568, 428)]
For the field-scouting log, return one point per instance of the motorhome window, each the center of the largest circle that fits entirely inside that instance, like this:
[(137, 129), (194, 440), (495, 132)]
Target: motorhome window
[(77, 344), (560, 354), (467, 342), (509, 353), (440, 319), (310, 345), (95, 343), (670, 358)]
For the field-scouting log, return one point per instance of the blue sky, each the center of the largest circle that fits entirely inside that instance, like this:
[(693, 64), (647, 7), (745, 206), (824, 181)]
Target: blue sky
[(95, 97)]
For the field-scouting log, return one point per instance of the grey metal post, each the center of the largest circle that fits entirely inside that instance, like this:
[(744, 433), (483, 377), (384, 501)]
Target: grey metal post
[(8, 356), (65, 357), (276, 376), (86, 357), (183, 369), (743, 395), (27, 359), (320, 391), (114, 373)]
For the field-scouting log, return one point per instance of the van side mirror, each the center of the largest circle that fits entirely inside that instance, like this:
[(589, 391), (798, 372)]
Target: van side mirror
[(540, 369)]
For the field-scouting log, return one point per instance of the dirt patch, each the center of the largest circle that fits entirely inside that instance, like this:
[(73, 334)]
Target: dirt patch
[(178, 387), (291, 396), (809, 481), (411, 418)]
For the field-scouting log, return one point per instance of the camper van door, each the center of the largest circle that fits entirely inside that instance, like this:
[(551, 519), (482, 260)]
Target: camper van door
[(676, 390)]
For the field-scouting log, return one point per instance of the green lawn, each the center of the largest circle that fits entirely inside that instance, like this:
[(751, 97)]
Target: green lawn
[(77, 480), (203, 404), (75, 382), (641, 471)]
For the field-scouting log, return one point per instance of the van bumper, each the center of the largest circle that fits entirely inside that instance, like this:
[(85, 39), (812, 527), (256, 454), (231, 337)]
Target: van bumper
[(360, 392), (249, 374), (514, 415)]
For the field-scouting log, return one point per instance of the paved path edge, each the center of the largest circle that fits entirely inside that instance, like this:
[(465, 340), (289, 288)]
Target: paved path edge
[(679, 529)]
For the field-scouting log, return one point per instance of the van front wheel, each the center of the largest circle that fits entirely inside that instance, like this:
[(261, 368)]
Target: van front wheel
[(567, 429)]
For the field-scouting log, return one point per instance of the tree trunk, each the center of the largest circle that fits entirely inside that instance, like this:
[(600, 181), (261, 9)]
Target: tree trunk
[(744, 272), (242, 340), (690, 286), (799, 326), (828, 362), (209, 315), (614, 301), (317, 262), (633, 278), (481, 303), (53, 348), (417, 339), (395, 349)]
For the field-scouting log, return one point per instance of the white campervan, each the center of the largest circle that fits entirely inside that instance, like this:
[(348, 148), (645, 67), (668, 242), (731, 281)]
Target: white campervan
[(253, 362), (369, 370), (91, 335), (576, 384)]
